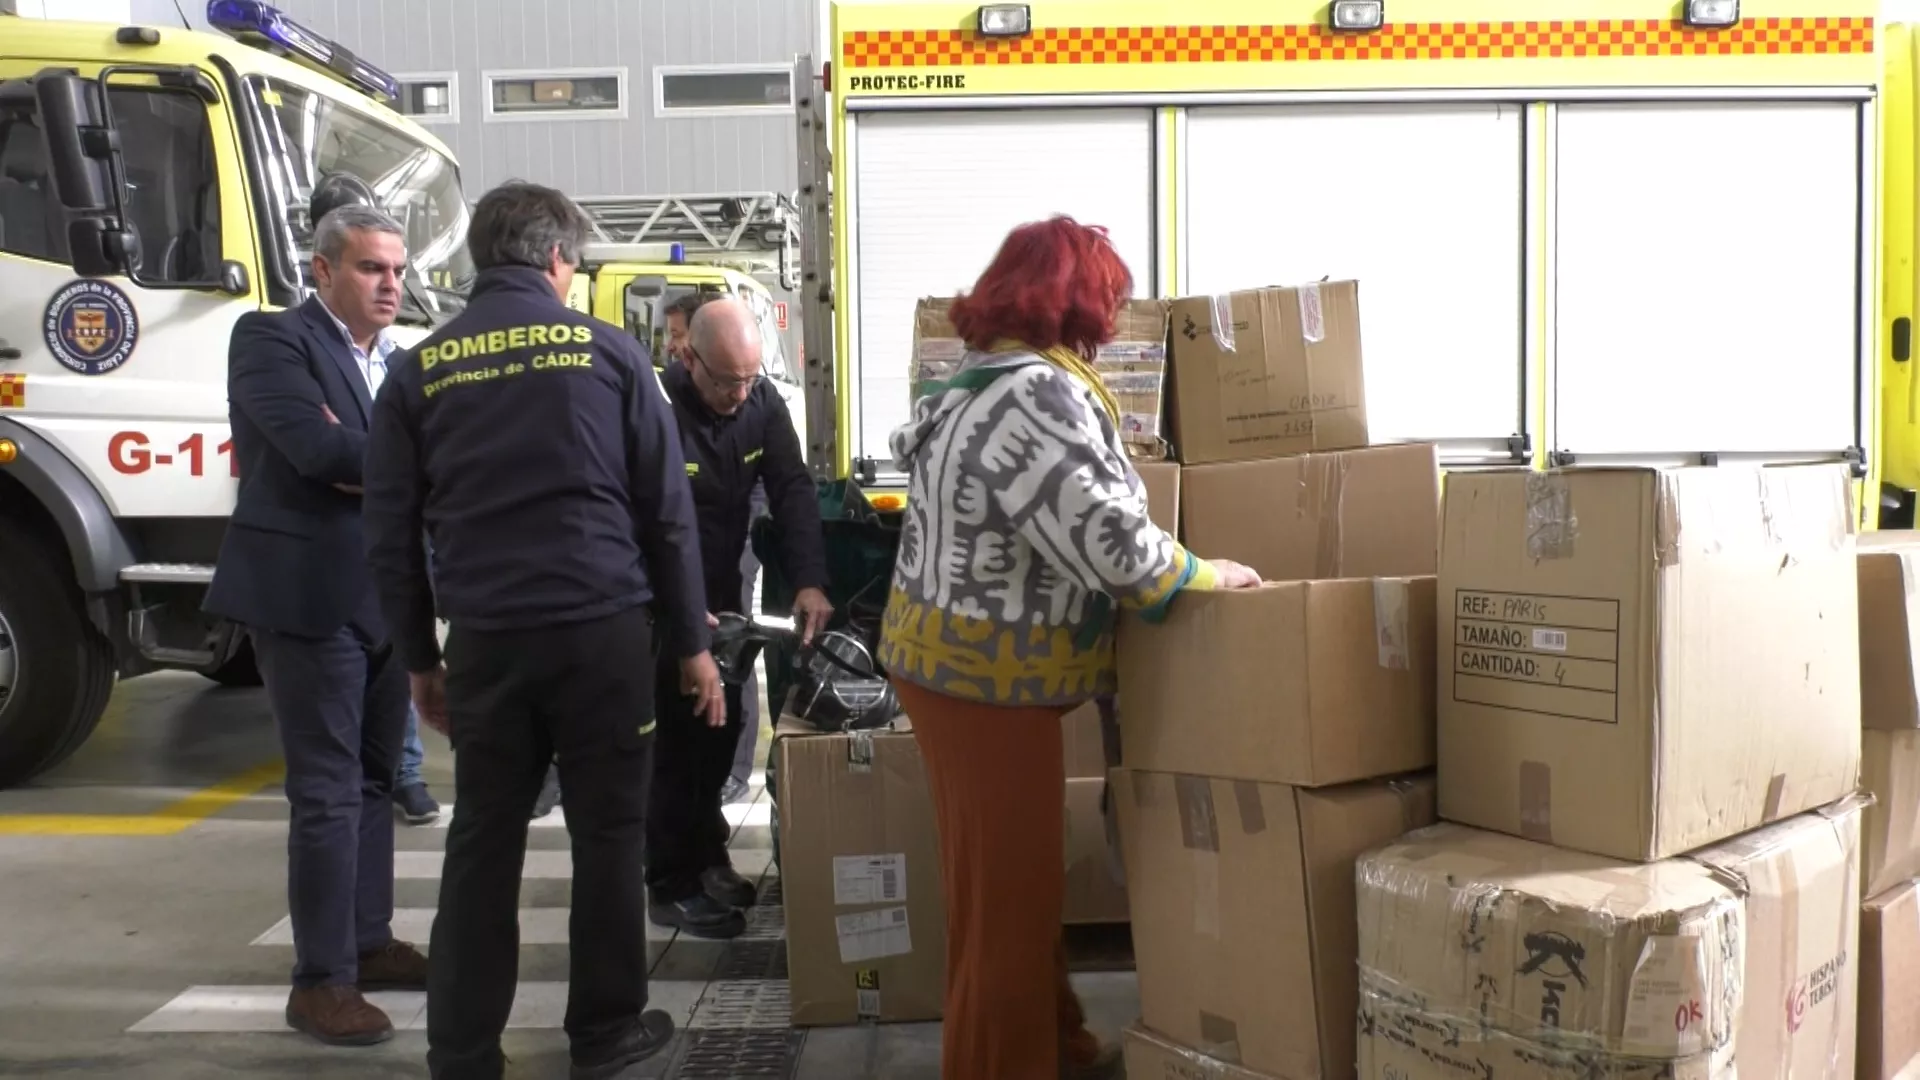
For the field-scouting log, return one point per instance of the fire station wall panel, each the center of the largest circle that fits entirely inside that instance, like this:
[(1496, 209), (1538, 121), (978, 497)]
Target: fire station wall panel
[(1423, 205), (933, 196), (1707, 267)]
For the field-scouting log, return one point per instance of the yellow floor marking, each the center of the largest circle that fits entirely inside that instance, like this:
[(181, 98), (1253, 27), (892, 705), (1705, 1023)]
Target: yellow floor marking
[(175, 817)]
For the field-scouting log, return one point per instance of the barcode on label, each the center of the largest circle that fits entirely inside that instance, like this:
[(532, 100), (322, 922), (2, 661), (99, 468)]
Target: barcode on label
[(1550, 640), (869, 879), (896, 917)]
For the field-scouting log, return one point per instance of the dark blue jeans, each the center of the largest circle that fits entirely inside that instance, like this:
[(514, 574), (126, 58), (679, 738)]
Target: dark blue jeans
[(341, 707)]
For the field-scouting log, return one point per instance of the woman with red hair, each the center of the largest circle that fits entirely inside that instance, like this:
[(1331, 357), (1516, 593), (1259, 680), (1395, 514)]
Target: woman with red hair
[(1026, 525)]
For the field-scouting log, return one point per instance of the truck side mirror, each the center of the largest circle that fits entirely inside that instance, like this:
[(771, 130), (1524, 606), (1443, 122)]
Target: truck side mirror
[(80, 149)]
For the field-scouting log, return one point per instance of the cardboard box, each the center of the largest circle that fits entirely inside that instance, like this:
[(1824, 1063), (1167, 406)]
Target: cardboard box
[(1890, 985), (1400, 1041), (860, 878), (1660, 965), (1799, 1011), (1243, 911), (1889, 574), (1162, 479), (1890, 844), (1096, 881), (1152, 1056), (1268, 372), (1133, 365), (1306, 683), (1083, 746), (1640, 662), (1349, 513)]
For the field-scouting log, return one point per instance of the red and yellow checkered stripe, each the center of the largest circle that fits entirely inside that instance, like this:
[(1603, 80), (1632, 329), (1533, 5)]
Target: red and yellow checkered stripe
[(1400, 41), (13, 391)]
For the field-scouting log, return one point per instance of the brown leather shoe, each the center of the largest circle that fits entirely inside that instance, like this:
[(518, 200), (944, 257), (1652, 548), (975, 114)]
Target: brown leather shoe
[(393, 966), (337, 1016)]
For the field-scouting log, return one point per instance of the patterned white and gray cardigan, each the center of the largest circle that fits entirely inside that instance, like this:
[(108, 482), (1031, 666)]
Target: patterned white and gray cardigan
[(1025, 524)]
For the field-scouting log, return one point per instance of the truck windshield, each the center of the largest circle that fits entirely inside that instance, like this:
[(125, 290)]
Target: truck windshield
[(309, 136)]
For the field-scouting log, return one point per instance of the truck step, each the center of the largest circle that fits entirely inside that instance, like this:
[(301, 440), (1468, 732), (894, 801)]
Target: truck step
[(168, 573)]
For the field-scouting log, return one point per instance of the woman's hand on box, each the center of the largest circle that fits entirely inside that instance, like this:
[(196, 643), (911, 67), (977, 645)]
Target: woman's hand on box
[(1233, 575)]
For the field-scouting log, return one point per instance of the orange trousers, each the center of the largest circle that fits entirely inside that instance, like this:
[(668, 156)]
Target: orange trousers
[(998, 791)]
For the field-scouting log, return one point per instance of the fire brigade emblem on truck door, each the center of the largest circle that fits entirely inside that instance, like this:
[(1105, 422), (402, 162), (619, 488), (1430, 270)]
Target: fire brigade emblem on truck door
[(91, 326)]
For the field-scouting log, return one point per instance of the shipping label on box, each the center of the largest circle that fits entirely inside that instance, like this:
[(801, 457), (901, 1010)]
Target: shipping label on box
[(1133, 366), (860, 879), (1268, 372), (1242, 897), (1349, 513), (1588, 615), (1307, 683)]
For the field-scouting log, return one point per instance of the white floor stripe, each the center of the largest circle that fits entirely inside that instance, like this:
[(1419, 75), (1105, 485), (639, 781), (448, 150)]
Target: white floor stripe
[(538, 926), (248, 1009), (757, 812), (545, 865)]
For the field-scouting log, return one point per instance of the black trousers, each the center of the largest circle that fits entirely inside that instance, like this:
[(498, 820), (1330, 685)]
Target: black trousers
[(341, 706), (516, 699), (686, 827)]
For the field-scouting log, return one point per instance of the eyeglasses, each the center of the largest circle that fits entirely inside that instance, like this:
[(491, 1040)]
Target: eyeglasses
[(725, 382)]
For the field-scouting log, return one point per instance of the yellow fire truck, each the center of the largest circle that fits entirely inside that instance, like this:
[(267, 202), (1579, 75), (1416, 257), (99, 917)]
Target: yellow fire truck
[(1638, 230)]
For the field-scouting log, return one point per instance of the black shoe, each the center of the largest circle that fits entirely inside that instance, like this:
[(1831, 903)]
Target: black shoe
[(652, 1036), (701, 916), (734, 790), (729, 888), (415, 805), (549, 794)]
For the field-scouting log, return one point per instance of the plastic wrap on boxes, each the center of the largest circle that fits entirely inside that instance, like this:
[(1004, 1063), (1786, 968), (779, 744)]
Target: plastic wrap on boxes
[(1397, 1039), (1527, 949), (1491, 955), (1133, 365)]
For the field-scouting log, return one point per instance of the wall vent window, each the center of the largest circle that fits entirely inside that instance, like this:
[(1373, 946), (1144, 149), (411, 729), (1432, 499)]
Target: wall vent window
[(429, 98), (558, 95), (723, 90)]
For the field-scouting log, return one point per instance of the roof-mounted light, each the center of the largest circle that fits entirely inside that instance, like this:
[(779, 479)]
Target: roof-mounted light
[(1004, 20), (1712, 14), (1356, 16), (264, 26)]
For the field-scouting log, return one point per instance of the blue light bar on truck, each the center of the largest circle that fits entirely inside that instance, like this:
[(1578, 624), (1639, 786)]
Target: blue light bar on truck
[(255, 23)]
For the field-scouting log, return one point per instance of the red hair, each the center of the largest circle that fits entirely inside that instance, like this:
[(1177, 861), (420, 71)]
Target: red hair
[(1053, 282)]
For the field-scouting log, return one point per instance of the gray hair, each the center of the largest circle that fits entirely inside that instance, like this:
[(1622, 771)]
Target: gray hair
[(521, 224), (330, 236)]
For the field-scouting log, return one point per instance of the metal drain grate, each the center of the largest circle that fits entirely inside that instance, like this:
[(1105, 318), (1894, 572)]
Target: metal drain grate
[(743, 1005), (753, 960), (739, 1055), (765, 922)]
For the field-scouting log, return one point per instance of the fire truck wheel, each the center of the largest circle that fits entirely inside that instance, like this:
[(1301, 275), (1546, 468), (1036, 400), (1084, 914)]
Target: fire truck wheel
[(56, 671), (240, 669)]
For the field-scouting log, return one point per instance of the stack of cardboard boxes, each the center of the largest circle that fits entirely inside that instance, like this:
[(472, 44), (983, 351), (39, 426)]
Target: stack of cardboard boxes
[(1890, 769), (1643, 856), (1649, 741), (1271, 736)]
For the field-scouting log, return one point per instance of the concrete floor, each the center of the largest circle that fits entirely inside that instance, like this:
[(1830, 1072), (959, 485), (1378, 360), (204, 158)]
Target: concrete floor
[(142, 930)]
